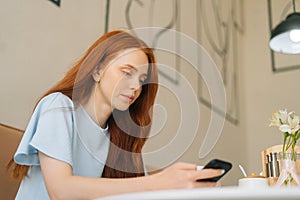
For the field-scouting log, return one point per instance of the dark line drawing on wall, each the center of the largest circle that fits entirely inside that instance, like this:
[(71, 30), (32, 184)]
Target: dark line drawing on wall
[(173, 24), (219, 25)]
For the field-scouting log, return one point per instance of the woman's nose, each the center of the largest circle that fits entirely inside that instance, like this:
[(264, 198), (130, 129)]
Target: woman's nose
[(135, 84)]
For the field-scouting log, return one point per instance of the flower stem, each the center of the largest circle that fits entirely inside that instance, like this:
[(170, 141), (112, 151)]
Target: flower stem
[(293, 147), (289, 143), (283, 147)]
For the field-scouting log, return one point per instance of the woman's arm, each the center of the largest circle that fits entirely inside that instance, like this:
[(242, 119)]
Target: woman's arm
[(61, 184)]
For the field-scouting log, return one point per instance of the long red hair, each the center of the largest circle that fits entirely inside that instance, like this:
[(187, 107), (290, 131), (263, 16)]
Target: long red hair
[(126, 145)]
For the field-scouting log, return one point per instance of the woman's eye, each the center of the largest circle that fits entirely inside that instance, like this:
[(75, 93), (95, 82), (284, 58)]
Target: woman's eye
[(127, 73)]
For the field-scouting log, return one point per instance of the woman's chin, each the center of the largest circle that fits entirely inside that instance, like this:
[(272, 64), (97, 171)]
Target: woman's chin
[(122, 107)]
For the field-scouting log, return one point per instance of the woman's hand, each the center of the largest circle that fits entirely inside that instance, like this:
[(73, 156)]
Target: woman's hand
[(62, 184), (183, 175)]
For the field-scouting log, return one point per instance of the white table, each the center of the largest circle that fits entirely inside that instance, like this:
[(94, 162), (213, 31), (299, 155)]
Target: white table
[(225, 193)]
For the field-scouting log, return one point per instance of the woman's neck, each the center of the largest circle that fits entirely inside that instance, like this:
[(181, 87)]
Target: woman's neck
[(97, 110)]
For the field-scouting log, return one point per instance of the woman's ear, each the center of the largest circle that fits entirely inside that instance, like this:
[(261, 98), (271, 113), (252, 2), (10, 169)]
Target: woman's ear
[(97, 74)]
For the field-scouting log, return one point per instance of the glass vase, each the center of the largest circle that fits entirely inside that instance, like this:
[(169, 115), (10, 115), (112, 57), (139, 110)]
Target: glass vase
[(288, 172)]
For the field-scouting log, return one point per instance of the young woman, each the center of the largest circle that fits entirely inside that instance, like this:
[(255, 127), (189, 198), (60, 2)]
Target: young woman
[(85, 137)]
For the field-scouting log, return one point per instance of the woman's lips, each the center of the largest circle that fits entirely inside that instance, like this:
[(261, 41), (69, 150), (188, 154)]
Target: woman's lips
[(129, 98)]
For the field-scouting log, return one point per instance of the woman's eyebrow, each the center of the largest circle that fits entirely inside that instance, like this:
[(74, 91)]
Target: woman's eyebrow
[(131, 66)]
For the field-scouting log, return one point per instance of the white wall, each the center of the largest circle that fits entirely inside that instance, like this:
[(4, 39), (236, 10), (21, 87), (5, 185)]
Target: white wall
[(39, 42), (265, 92)]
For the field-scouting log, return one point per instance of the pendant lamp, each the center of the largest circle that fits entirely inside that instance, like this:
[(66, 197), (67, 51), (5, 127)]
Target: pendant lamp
[(285, 38)]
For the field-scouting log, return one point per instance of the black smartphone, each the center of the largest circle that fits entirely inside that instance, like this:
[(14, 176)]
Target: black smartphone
[(216, 164)]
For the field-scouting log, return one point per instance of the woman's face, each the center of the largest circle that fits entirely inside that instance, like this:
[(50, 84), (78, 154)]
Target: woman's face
[(122, 79)]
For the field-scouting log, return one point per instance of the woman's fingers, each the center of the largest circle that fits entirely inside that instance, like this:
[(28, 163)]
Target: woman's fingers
[(185, 166), (208, 173), (185, 175), (194, 174)]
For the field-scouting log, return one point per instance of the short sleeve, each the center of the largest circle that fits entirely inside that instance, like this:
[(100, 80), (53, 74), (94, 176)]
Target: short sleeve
[(49, 131)]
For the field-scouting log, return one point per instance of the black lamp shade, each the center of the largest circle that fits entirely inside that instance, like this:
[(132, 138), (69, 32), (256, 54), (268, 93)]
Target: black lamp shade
[(280, 38)]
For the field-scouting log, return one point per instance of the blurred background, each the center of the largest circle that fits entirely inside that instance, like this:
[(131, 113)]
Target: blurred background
[(41, 39)]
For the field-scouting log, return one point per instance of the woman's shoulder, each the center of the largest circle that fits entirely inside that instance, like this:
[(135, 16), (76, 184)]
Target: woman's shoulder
[(55, 100)]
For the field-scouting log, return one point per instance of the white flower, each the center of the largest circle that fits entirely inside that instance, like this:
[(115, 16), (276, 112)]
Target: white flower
[(292, 126), (288, 123), (280, 118), (275, 120)]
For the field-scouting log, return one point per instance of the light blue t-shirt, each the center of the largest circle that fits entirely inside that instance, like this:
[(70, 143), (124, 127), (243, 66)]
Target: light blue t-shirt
[(65, 132)]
